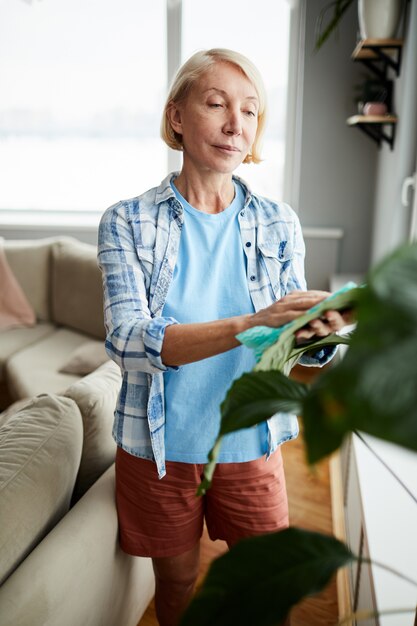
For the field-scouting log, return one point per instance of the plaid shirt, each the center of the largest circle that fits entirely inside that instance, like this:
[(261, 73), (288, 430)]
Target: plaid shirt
[(137, 250)]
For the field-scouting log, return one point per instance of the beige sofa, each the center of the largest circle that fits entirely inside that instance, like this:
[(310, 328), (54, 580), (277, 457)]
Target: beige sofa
[(62, 283), (60, 562)]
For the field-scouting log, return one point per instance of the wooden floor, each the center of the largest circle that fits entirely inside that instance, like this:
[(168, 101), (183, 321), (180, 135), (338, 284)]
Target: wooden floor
[(310, 508)]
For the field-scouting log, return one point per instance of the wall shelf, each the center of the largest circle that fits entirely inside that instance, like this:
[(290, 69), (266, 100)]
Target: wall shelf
[(373, 126), (379, 54)]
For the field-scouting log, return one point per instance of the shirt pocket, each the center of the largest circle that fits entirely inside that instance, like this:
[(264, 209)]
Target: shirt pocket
[(276, 259)]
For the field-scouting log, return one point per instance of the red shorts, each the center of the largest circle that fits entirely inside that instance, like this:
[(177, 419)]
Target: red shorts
[(164, 517)]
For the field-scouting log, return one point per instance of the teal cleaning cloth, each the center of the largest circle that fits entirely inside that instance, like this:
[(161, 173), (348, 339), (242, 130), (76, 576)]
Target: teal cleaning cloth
[(259, 338)]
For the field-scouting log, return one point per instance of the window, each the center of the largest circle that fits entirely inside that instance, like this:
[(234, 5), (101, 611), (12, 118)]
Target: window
[(83, 83), (83, 86)]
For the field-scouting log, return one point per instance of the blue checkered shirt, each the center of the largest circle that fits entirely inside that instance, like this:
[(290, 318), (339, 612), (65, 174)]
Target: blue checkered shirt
[(137, 250)]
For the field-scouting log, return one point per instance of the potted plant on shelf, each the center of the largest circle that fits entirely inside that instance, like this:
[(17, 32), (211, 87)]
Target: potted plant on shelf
[(378, 19), (260, 579)]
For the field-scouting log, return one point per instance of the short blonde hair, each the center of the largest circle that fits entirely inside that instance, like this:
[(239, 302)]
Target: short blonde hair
[(189, 73)]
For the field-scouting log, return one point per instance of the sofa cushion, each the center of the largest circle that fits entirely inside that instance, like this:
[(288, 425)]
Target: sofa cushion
[(77, 292), (15, 339), (85, 359), (33, 255), (78, 575), (35, 369), (40, 451), (96, 397)]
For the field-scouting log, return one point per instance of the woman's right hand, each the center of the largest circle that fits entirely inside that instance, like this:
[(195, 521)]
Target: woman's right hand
[(288, 308), (187, 343)]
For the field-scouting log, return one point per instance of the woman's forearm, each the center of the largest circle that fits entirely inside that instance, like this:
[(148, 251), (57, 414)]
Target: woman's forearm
[(187, 343)]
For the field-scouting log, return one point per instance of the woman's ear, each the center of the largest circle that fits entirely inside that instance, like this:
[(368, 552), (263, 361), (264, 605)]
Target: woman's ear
[(175, 118)]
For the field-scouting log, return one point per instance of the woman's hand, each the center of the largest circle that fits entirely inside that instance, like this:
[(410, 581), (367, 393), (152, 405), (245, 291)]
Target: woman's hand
[(187, 343), (288, 308), (295, 304), (330, 322)]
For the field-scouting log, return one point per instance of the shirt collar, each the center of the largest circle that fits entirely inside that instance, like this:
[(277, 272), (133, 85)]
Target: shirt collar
[(164, 191)]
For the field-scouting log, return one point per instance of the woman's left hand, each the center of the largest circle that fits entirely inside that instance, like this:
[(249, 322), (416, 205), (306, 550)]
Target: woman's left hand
[(330, 322)]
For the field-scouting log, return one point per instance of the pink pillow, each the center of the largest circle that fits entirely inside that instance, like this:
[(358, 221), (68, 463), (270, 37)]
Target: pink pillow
[(15, 309)]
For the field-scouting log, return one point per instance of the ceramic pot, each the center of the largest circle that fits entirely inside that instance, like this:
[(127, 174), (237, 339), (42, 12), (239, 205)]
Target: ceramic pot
[(375, 108), (379, 19)]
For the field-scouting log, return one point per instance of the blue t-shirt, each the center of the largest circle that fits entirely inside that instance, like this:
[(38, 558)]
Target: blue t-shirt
[(209, 283)]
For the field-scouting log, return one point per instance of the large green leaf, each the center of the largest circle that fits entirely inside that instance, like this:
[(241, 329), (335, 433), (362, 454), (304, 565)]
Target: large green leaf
[(256, 396), (253, 398), (374, 388), (261, 578), (284, 353)]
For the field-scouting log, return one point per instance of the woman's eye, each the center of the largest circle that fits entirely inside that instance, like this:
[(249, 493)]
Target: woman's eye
[(215, 105), (250, 113)]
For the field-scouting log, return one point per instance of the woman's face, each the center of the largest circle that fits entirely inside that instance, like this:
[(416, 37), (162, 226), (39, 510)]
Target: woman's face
[(218, 120)]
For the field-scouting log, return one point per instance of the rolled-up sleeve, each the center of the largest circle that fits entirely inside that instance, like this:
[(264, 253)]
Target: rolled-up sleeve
[(318, 358), (133, 337)]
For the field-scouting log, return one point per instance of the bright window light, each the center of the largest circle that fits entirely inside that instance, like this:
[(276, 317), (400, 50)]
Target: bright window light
[(83, 84)]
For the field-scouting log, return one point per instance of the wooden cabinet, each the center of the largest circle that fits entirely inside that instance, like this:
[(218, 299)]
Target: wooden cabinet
[(380, 512)]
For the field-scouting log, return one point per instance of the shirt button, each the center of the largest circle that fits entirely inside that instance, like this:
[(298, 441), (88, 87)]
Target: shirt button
[(253, 277), (242, 214), (248, 244)]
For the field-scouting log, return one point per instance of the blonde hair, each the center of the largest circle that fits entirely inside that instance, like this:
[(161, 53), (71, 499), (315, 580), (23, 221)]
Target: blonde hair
[(189, 73)]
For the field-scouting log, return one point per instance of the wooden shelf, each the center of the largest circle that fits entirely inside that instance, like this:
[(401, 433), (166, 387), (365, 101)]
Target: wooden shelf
[(371, 119), (373, 126), (379, 54)]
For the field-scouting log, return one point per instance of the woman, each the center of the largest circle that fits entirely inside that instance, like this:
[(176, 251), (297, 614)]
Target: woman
[(186, 267)]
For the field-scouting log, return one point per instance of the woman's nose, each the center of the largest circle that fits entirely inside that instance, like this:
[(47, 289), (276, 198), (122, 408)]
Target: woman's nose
[(232, 125)]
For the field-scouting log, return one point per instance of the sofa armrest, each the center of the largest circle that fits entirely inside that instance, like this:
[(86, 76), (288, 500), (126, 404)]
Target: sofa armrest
[(78, 573)]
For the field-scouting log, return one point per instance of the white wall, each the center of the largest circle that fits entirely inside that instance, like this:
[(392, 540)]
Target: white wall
[(392, 220), (337, 166)]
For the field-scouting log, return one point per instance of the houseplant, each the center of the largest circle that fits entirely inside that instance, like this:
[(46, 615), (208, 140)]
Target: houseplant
[(378, 19), (361, 393)]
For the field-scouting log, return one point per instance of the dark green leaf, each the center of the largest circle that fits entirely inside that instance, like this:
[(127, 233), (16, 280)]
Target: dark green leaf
[(318, 344), (261, 578), (374, 388), (252, 399), (256, 396)]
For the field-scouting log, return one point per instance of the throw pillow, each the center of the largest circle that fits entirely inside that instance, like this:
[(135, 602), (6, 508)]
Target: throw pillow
[(15, 309), (85, 359)]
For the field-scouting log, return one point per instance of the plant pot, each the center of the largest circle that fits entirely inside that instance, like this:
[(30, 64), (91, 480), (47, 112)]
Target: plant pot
[(379, 19), (375, 108)]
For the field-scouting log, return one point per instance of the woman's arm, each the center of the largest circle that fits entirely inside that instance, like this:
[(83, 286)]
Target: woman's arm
[(133, 337), (186, 343)]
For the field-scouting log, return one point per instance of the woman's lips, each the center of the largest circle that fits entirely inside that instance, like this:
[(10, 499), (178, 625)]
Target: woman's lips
[(226, 148)]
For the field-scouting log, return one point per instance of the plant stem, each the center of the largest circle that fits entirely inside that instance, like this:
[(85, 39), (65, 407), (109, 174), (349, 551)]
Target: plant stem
[(361, 615), (388, 569), (403, 485)]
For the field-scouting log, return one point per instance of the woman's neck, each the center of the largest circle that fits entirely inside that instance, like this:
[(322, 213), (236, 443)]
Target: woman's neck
[(209, 193)]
